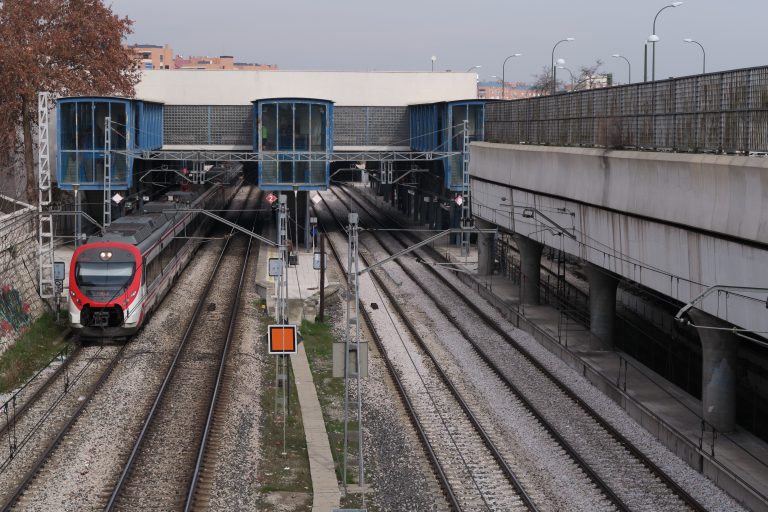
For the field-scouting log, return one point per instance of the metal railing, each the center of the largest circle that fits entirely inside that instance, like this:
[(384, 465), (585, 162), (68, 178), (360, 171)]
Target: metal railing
[(724, 112)]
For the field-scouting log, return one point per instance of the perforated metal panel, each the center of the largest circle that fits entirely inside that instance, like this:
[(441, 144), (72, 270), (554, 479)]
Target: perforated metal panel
[(208, 125), (371, 126), (185, 124), (231, 125), (713, 112)]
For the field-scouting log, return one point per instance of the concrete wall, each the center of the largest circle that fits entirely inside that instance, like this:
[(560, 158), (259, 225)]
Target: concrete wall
[(345, 88), (629, 212), (20, 304)]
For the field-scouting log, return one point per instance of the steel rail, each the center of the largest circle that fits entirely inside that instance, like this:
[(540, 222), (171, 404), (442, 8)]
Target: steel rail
[(420, 431), (485, 437), (148, 420), (63, 432), (22, 409), (618, 436), (219, 376)]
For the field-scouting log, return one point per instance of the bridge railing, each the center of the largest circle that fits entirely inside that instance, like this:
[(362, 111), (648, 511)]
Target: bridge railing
[(724, 112)]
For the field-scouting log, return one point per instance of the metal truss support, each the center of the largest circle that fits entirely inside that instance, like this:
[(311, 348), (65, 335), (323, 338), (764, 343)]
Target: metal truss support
[(45, 231), (466, 214), (353, 391), (107, 219), (299, 156), (282, 249), (388, 173), (281, 314)]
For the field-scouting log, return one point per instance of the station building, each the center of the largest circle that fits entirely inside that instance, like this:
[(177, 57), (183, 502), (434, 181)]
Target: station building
[(291, 130)]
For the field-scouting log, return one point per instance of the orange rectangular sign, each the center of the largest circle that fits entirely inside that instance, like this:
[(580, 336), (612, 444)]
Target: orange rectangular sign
[(282, 339)]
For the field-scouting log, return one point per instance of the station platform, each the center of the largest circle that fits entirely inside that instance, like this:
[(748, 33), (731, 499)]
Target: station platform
[(737, 461), (303, 294)]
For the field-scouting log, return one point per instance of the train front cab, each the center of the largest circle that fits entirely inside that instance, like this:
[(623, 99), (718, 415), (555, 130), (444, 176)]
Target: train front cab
[(105, 289)]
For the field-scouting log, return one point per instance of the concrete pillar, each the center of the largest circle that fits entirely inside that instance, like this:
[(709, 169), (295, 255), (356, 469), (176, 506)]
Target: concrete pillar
[(439, 219), (455, 220), (305, 212), (386, 192), (530, 268), (424, 209), (718, 388), (485, 249), (602, 304)]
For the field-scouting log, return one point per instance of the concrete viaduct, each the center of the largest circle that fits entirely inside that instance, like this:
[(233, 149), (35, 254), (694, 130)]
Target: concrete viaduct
[(677, 223)]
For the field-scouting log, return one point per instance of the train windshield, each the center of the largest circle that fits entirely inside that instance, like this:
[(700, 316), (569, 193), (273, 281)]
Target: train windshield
[(112, 275), (109, 268)]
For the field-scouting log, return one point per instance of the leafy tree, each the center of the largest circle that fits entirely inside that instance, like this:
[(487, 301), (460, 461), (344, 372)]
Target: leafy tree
[(67, 47)]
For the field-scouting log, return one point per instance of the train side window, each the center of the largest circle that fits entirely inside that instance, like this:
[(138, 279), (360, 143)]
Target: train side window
[(153, 270), (165, 256)]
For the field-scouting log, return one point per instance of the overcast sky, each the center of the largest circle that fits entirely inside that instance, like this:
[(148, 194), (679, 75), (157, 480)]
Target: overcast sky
[(402, 35)]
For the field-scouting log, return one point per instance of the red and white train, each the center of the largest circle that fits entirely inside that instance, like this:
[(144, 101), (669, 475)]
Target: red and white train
[(116, 279)]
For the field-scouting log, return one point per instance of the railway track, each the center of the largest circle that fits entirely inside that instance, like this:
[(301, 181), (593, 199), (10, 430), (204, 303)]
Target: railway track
[(45, 397), (166, 466), (45, 447), (28, 488), (612, 463), (467, 461)]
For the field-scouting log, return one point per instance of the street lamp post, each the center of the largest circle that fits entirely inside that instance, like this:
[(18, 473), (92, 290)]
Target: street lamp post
[(494, 77), (573, 79), (629, 66), (554, 70), (503, 73), (654, 38), (434, 58), (703, 53)]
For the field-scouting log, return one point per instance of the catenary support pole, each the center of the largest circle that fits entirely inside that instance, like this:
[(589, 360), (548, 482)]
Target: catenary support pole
[(321, 316)]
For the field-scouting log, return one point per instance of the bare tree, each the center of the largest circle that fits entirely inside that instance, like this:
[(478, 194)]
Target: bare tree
[(542, 83), (588, 76), (67, 47)]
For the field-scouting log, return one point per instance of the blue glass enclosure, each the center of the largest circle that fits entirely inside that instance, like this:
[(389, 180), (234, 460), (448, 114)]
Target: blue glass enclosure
[(440, 127), (81, 139), (294, 138)]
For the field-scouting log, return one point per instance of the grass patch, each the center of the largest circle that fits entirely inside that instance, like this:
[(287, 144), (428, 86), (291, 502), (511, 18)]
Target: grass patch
[(36, 347), (273, 475), (318, 343)]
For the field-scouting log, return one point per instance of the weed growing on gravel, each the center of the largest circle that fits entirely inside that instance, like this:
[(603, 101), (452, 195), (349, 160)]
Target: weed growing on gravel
[(318, 343), (282, 475), (36, 347)]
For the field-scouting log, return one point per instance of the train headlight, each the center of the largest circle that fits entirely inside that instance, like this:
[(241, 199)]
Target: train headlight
[(71, 293), (105, 255), (133, 293)]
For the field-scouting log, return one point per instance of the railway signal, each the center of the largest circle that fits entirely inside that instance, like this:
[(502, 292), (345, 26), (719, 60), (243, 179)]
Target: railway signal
[(282, 339)]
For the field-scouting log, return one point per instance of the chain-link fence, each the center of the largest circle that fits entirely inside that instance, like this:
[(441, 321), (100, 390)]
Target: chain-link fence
[(717, 112)]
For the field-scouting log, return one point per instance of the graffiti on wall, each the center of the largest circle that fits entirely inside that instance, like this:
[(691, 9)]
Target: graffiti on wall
[(14, 312)]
